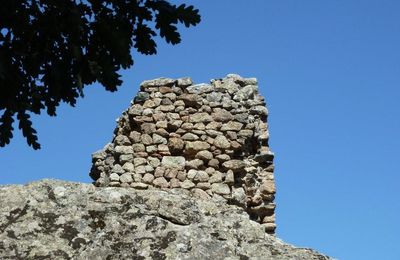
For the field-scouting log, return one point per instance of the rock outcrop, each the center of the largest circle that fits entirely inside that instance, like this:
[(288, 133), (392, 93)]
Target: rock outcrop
[(208, 139), (53, 219)]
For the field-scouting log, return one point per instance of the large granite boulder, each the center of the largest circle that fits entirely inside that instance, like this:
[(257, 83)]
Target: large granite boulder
[(52, 219)]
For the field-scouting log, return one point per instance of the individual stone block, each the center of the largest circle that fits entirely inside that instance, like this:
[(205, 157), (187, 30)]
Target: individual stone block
[(201, 176), (158, 139), (245, 93), (171, 173), (161, 182), (194, 147), (176, 145), (126, 178), (122, 140), (194, 164), (148, 128), (139, 185), (184, 82), (200, 118), (124, 149), (200, 194), (174, 183), (148, 178), (234, 165), (220, 188), (204, 155), (176, 162), (221, 115), (216, 177), (187, 184), (117, 169), (232, 126), (138, 148), (190, 137), (191, 100), (222, 142), (114, 177), (156, 83), (128, 167), (135, 137)]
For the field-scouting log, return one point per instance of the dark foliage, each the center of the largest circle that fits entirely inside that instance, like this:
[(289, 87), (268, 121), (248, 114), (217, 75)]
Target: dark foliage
[(51, 49)]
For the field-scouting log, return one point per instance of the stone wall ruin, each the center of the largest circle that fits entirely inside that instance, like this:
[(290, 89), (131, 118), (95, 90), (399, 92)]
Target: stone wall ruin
[(208, 139)]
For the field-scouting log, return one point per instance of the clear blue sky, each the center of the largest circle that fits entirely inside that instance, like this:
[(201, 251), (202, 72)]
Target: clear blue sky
[(330, 72)]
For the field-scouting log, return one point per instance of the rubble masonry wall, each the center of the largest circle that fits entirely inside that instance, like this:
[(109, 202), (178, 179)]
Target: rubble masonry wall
[(208, 139)]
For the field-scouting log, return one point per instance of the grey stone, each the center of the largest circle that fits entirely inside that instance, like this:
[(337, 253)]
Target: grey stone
[(157, 139), (114, 177), (148, 178), (259, 110), (146, 139), (135, 110), (180, 223), (220, 188), (190, 137), (148, 128), (138, 148), (126, 178), (99, 155), (122, 140), (128, 167), (196, 146), (139, 161), (187, 184), (200, 117), (216, 177), (141, 97), (161, 182), (194, 164), (201, 176), (124, 149), (235, 165), (184, 82), (191, 100), (232, 126), (204, 155), (123, 158), (199, 88), (177, 162), (221, 115), (222, 142), (159, 82), (245, 93), (117, 169)]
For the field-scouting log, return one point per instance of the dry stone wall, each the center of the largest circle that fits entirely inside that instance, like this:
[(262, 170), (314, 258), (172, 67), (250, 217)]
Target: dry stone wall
[(208, 139)]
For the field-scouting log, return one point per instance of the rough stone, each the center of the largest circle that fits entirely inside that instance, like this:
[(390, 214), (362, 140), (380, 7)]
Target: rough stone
[(220, 188), (156, 83), (245, 93), (232, 126), (222, 142), (177, 162), (176, 145), (222, 115), (200, 118), (194, 164), (190, 137), (196, 146), (204, 155), (235, 165)]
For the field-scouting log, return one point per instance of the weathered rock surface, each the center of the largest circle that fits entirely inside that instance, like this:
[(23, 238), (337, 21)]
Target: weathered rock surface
[(53, 219)]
